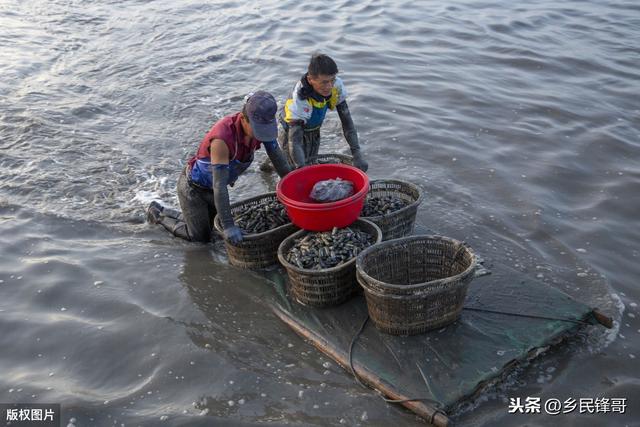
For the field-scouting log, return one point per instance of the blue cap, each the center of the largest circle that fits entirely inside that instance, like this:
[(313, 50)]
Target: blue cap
[(261, 108)]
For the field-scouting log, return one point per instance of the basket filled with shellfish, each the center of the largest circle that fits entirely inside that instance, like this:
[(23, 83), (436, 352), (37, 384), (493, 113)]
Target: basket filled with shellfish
[(321, 265), (392, 205), (264, 223)]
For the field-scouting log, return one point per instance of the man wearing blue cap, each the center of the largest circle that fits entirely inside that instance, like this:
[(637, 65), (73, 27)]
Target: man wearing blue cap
[(224, 154)]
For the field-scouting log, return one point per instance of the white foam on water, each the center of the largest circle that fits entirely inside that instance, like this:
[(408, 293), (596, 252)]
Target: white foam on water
[(610, 335), (144, 197)]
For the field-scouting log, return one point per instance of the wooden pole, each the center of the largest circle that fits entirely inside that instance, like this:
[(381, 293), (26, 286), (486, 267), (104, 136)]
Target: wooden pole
[(603, 319)]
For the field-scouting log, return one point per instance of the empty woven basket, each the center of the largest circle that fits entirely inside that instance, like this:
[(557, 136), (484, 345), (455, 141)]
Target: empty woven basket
[(417, 283)]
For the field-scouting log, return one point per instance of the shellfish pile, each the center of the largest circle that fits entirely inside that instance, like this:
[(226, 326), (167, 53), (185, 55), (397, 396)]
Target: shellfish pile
[(316, 251), (264, 217), (377, 206)]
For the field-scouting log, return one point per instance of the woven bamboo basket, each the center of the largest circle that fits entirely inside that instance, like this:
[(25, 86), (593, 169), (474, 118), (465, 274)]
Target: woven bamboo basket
[(329, 286), (255, 250), (417, 283), (331, 158), (399, 223)]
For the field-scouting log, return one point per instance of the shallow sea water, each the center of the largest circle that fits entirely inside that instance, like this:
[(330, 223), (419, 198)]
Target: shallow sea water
[(521, 123)]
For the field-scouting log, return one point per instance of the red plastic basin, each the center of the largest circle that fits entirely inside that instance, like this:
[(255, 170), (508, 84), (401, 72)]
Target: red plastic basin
[(294, 189)]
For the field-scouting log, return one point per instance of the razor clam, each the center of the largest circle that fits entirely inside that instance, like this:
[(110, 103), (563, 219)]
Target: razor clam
[(328, 249), (259, 218), (377, 206)]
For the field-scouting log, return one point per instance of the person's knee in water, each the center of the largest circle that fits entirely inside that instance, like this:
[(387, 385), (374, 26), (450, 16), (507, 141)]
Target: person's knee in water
[(318, 90), (223, 155)]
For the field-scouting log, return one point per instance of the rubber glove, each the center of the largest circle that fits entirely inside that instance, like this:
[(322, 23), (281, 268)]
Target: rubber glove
[(221, 200), (359, 161), (296, 150), (276, 156), (351, 135)]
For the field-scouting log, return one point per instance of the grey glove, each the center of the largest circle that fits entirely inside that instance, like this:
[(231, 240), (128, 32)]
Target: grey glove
[(277, 158), (221, 200), (233, 234), (296, 149), (351, 135), (359, 161)]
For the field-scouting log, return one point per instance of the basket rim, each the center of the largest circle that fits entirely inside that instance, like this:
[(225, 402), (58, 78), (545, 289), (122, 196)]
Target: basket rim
[(415, 204), (286, 264), (381, 246), (253, 236), (338, 155)]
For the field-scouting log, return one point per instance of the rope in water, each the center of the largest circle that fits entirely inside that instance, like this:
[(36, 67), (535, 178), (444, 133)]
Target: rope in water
[(533, 316)]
